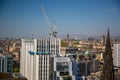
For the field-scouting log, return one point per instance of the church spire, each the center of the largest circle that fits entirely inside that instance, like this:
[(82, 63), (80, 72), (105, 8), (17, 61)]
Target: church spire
[(108, 73), (108, 43)]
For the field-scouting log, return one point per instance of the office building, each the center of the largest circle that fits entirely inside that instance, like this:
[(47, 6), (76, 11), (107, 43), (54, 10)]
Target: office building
[(6, 63), (88, 67), (116, 55), (64, 68), (34, 57)]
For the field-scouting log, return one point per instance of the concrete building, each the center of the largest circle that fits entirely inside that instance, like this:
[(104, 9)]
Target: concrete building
[(64, 68), (88, 67), (6, 63), (116, 55), (34, 57), (69, 50), (49, 45)]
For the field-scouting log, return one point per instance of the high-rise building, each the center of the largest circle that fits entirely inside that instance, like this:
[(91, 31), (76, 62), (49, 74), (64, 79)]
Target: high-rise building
[(6, 63), (88, 67), (103, 40), (29, 61), (59, 66), (68, 36), (116, 55), (64, 68), (34, 57), (49, 45)]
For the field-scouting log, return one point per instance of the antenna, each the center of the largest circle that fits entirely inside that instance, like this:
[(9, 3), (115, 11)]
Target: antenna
[(53, 32)]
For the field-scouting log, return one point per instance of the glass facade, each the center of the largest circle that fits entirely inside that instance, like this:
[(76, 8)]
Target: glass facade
[(62, 66), (6, 63)]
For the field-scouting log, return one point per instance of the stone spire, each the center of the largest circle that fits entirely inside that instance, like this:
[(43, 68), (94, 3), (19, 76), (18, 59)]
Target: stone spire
[(108, 71)]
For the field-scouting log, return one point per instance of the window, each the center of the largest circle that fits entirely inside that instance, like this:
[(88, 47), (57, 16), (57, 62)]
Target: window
[(62, 66)]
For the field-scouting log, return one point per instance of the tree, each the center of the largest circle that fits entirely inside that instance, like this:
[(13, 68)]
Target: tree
[(64, 44), (16, 69)]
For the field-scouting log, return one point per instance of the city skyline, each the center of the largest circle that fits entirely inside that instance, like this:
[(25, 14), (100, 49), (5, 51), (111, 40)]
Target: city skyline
[(22, 18)]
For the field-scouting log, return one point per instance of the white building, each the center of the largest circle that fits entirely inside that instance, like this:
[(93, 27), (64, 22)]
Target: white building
[(64, 68), (116, 55), (34, 57), (6, 63), (49, 45)]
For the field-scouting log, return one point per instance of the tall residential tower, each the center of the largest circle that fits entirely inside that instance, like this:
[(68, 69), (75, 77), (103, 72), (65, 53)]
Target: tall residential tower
[(116, 55), (6, 63), (35, 55)]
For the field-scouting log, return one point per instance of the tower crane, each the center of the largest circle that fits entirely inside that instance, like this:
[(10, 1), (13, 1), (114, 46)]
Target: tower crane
[(53, 32)]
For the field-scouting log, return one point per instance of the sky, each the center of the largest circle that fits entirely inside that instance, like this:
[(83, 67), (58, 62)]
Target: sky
[(22, 18)]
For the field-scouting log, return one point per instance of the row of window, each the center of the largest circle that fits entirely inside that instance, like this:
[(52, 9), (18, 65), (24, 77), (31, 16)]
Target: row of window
[(9, 66), (9, 62)]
